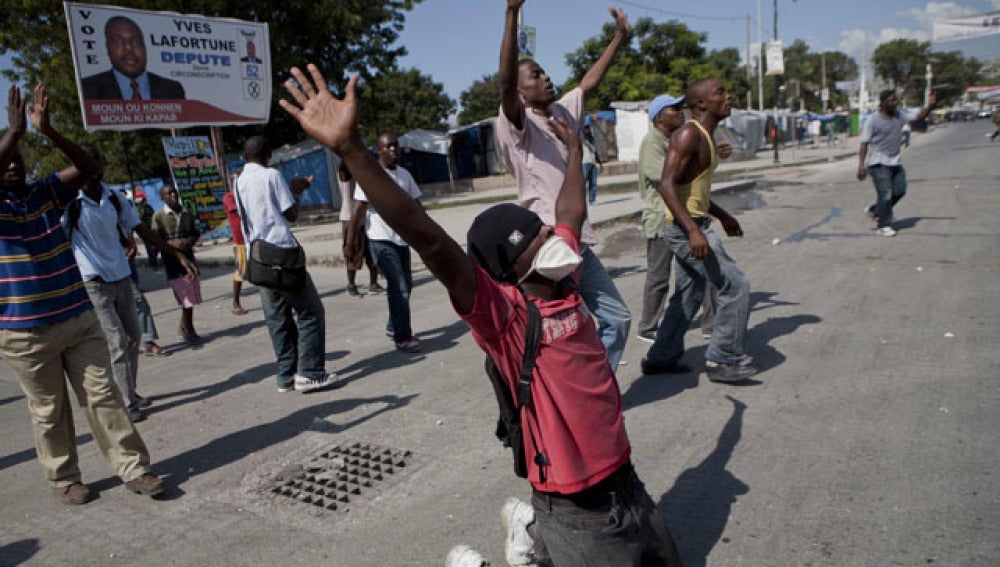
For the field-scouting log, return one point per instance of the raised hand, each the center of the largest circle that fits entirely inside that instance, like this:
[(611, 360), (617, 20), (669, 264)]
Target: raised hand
[(725, 149), (621, 20), (15, 111), (331, 121), (39, 110), (567, 134), (298, 185)]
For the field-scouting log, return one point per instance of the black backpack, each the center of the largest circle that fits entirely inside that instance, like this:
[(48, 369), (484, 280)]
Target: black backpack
[(76, 207), (509, 430)]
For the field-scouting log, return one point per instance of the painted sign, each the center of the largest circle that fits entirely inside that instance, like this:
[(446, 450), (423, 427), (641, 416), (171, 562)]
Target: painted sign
[(775, 58), (196, 176), (966, 28), (140, 69), (525, 43)]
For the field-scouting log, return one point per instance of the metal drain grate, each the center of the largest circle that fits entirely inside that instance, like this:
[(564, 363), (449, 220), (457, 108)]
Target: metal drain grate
[(338, 476)]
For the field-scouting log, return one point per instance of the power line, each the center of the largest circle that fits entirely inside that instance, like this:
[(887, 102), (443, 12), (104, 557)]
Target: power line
[(680, 14)]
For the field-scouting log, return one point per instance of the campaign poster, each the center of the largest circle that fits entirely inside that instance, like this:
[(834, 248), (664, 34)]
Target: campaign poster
[(525, 43), (775, 58), (196, 176), (967, 28), (141, 69)]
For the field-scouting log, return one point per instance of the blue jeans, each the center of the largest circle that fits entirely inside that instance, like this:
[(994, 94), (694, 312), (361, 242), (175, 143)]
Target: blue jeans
[(590, 180), (890, 186), (604, 301), (146, 322), (394, 263), (296, 322), (732, 308)]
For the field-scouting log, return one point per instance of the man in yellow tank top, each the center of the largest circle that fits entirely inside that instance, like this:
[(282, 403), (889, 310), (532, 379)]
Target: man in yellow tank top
[(685, 186)]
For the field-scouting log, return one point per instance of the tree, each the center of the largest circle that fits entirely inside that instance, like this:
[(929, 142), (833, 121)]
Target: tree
[(480, 101), (397, 101), (902, 63), (952, 72), (340, 36)]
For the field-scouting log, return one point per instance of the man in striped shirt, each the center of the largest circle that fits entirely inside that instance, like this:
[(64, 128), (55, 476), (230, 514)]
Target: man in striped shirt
[(48, 331)]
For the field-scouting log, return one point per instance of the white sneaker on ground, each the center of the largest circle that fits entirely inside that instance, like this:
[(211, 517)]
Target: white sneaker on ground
[(304, 385), (885, 231), (648, 337), (465, 556), (519, 546)]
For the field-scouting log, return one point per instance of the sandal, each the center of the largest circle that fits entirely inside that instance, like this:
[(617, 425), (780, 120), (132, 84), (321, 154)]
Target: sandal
[(153, 349), (239, 311)]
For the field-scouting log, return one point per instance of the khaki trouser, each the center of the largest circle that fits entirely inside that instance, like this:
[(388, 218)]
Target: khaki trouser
[(43, 359)]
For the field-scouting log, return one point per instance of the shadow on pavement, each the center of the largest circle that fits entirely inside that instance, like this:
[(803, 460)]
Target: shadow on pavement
[(18, 552), (249, 376), (9, 400), (697, 508), (30, 455), (439, 339), (232, 447), (910, 222), (765, 356)]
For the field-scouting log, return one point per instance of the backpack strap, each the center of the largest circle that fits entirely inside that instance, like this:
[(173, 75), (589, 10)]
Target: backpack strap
[(532, 340)]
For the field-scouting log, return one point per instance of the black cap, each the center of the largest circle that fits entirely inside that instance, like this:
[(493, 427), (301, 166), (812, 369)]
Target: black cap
[(499, 235)]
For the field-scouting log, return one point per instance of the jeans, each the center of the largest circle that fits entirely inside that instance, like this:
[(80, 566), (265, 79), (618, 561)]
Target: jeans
[(296, 322), (115, 308), (394, 263), (590, 180), (654, 291), (890, 186), (45, 358), (146, 322), (631, 533), (728, 343), (604, 301)]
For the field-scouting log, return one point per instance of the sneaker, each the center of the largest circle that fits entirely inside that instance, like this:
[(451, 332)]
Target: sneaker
[(706, 336), (516, 516), (870, 212), (287, 388), (375, 289), (143, 403), (72, 494), (135, 415), (146, 485), (648, 336), (305, 385), (465, 556), (673, 368), (885, 231), (352, 290), (729, 373), (411, 344)]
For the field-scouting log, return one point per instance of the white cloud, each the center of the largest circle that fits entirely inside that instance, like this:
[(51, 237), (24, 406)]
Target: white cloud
[(939, 11), (853, 40)]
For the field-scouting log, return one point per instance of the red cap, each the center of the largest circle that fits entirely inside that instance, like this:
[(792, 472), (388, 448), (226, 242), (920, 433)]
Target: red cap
[(139, 195)]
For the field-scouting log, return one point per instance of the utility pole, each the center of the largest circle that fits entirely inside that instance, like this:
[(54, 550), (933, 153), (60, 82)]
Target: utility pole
[(750, 91), (760, 64), (929, 75), (822, 62), (777, 89)]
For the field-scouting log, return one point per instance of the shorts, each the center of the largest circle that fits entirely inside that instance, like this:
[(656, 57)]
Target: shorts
[(186, 292), (358, 261), (240, 254)]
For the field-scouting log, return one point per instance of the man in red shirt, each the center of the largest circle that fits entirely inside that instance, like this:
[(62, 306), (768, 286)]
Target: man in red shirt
[(239, 245), (590, 507)]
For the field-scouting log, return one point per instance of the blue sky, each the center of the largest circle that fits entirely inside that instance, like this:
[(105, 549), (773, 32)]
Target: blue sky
[(458, 41)]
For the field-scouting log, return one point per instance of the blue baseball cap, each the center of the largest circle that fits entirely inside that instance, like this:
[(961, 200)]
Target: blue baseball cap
[(661, 102)]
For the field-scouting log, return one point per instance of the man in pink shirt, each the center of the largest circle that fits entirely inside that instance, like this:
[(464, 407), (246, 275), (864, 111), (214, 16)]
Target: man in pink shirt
[(590, 507), (537, 160)]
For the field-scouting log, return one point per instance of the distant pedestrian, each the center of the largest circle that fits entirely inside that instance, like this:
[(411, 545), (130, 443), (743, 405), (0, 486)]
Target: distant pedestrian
[(50, 334), (537, 159), (175, 224), (296, 320), (392, 254), (146, 322), (591, 163), (353, 259), (996, 122), (907, 131), (239, 246), (686, 189), (145, 212), (879, 155)]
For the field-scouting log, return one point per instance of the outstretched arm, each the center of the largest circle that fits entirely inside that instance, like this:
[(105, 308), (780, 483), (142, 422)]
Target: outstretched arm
[(931, 101), (601, 66), (166, 249), (571, 207), (334, 123), (510, 100), (84, 167)]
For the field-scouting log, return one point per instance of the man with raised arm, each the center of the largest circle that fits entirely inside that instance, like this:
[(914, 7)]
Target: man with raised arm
[(50, 334), (537, 159), (579, 457), (685, 186)]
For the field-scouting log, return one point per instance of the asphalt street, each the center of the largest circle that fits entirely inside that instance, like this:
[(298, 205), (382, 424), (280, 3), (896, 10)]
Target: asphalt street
[(868, 437)]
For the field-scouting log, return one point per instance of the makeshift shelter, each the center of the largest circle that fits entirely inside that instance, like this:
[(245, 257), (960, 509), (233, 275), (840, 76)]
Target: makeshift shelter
[(475, 151), (426, 154), (631, 125), (310, 158)]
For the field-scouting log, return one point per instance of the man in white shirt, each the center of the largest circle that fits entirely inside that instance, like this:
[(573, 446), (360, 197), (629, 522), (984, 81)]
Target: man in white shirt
[(295, 320), (391, 253)]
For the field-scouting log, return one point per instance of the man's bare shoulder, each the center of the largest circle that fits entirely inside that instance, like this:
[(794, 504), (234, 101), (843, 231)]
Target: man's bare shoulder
[(685, 139)]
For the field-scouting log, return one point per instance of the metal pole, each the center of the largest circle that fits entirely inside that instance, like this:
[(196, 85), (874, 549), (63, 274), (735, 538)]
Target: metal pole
[(822, 59), (777, 90), (750, 91), (128, 163)]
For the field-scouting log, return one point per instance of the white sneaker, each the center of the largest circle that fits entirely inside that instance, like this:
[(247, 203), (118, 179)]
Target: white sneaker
[(465, 556), (885, 231), (519, 545), (304, 385)]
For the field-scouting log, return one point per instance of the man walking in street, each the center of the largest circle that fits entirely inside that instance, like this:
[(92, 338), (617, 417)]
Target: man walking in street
[(97, 224), (357, 253), (50, 333), (295, 320), (685, 187), (879, 155), (537, 160), (239, 246), (392, 254), (174, 223), (590, 506)]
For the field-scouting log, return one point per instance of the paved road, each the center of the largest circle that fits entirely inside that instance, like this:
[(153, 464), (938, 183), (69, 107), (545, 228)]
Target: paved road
[(868, 441)]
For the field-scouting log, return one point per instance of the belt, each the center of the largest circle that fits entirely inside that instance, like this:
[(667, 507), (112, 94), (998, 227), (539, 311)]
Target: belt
[(702, 222), (597, 497)]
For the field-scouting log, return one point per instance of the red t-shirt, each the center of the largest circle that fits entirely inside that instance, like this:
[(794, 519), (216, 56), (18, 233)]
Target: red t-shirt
[(577, 421), (233, 216)]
